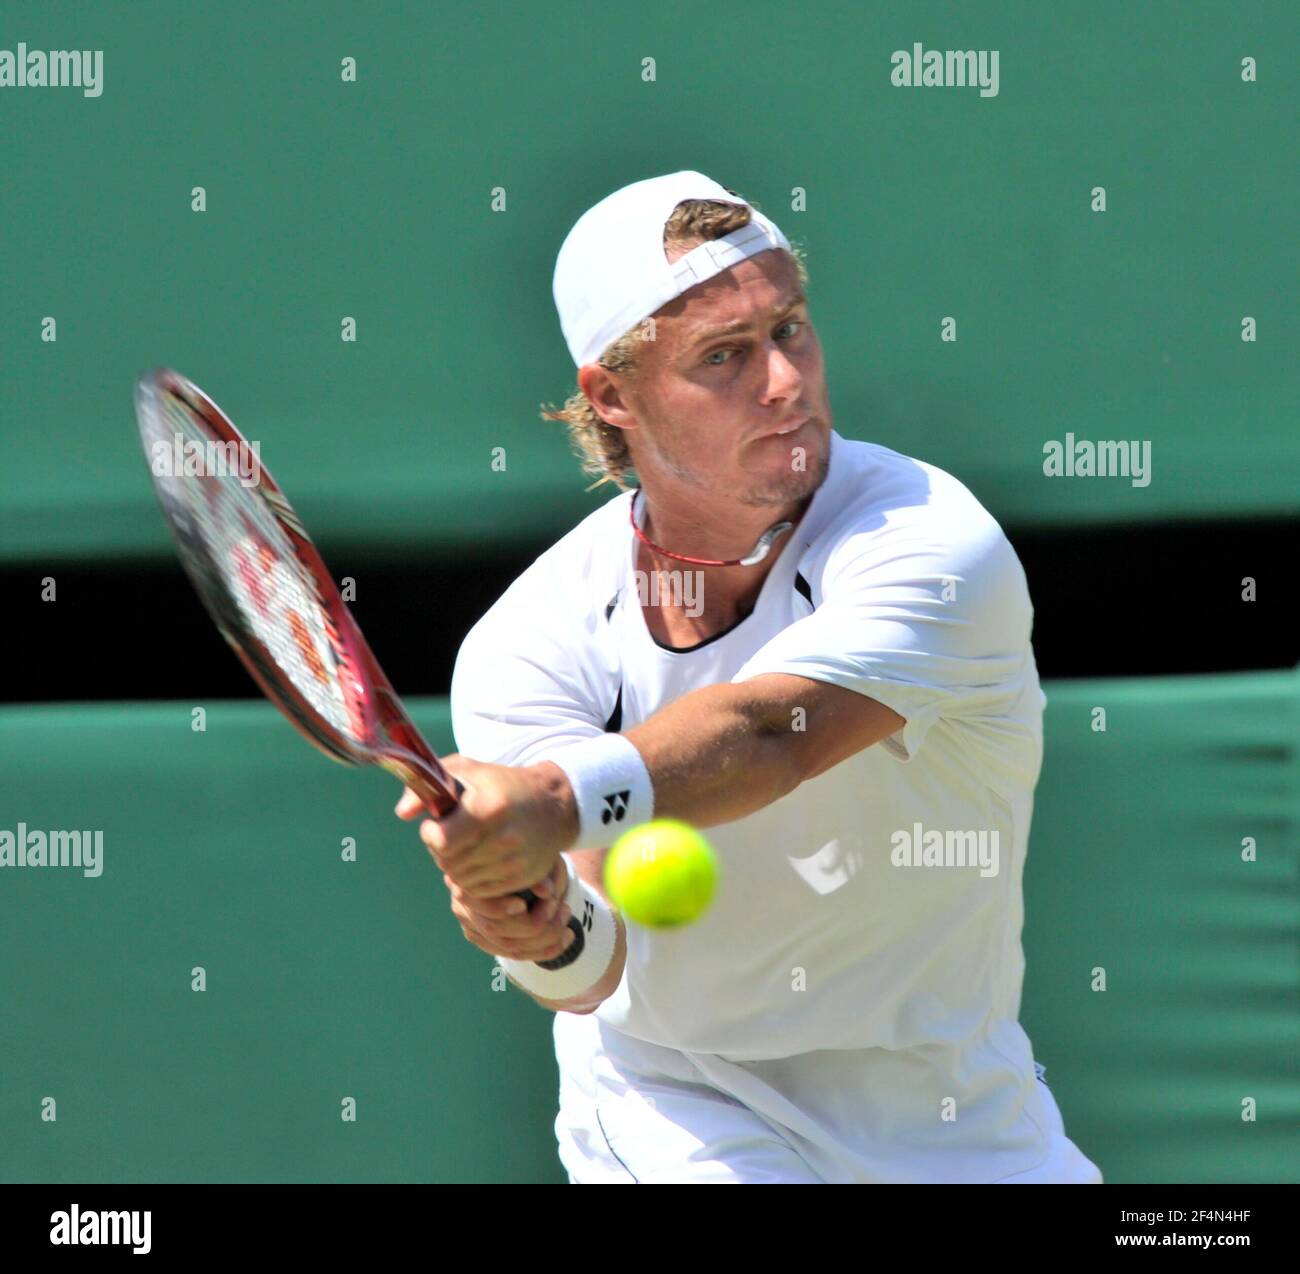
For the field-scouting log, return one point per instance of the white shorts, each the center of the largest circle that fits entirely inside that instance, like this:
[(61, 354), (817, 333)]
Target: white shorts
[(633, 1112)]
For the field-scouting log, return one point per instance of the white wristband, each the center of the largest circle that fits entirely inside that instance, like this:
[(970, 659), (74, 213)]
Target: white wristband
[(593, 921), (611, 787)]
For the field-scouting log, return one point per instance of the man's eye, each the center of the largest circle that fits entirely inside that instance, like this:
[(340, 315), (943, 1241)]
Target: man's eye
[(708, 358)]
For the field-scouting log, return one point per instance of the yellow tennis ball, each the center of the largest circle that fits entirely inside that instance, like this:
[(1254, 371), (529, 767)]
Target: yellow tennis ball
[(662, 873)]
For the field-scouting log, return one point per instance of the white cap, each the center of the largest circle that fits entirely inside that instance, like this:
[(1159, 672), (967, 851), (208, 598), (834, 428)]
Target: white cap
[(612, 273)]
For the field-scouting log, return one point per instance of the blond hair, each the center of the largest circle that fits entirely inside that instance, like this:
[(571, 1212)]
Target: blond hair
[(602, 448)]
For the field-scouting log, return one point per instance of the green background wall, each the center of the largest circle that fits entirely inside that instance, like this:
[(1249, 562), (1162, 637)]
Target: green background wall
[(374, 200), (329, 979)]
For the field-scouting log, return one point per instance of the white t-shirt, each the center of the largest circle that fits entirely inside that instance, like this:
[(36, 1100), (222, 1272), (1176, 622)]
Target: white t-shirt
[(828, 931)]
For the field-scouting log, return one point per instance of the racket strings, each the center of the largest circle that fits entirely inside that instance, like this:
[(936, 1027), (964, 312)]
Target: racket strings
[(252, 571)]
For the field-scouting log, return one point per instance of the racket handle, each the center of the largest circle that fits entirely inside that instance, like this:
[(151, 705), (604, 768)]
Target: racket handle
[(574, 949)]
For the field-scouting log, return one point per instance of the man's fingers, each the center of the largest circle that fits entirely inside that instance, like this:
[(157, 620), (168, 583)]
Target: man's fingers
[(409, 805), (538, 925), (541, 950), (551, 947), (455, 835), (480, 881), (545, 944), (500, 880), (498, 914), (488, 908), (546, 947)]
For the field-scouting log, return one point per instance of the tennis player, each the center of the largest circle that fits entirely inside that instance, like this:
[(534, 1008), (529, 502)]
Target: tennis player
[(819, 650)]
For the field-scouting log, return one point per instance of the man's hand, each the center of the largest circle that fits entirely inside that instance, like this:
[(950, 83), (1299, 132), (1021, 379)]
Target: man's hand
[(508, 830), (500, 927)]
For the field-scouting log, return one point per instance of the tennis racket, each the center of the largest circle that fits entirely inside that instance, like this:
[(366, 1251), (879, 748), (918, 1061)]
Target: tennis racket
[(271, 596)]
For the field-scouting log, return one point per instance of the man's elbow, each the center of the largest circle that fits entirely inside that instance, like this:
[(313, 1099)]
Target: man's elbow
[(786, 764)]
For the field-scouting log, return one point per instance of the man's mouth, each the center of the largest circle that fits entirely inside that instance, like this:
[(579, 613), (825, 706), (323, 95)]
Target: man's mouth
[(790, 428)]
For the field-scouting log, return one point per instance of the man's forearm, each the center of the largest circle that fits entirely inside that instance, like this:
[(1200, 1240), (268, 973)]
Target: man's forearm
[(718, 754), (712, 758), (723, 752)]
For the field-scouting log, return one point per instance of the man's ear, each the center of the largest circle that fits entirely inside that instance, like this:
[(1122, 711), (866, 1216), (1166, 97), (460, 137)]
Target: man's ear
[(606, 395)]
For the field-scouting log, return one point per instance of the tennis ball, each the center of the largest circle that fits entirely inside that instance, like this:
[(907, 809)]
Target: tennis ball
[(661, 874)]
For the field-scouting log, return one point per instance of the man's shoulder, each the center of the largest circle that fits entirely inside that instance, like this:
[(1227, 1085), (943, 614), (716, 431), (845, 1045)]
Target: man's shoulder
[(537, 667), (565, 584), (878, 495)]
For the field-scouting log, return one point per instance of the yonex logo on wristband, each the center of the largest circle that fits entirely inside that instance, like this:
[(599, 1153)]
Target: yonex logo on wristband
[(611, 787), (615, 806)]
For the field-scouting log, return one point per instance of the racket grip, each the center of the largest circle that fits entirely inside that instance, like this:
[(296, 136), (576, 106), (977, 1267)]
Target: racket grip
[(436, 797), (572, 951)]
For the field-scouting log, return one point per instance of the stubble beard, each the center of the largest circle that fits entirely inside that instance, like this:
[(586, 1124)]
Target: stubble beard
[(794, 484)]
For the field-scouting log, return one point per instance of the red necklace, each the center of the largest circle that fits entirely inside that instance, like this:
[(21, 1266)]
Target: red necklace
[(760, 551)]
